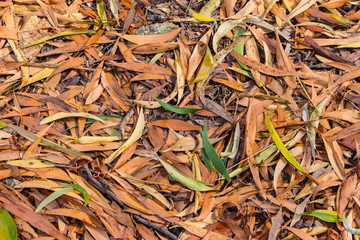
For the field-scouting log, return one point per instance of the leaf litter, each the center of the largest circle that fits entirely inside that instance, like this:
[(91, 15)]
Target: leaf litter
[(177, 119)]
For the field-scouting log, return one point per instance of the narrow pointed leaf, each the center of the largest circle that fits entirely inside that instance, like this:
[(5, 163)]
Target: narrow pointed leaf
[(202, 17), (53, 196), (207, 161), (325, 215), (136, 135), (80, 189), (179, 110), (32, 137), (7, 226), (62, 115), (183, 179), (280, 145), (213, 156)]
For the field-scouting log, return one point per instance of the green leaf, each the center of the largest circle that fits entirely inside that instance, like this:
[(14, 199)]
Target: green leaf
[(80, 189), (7, 226), (62, 115), (65, 188), (102, 13), (61, 34), (183, 179), (207, 161), (239, 48), (53, 196), (280, 145), (179, 110), (351, 230), (325, 215), (242, 71), (212, 155)]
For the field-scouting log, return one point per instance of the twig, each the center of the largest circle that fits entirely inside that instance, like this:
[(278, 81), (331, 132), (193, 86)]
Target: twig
[(138, 218)]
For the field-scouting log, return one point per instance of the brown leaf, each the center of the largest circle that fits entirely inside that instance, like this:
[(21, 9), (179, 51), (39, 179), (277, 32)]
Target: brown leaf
[(259, 66)]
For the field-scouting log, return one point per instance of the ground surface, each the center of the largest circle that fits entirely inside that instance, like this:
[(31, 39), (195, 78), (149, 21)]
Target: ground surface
[(179, 119)]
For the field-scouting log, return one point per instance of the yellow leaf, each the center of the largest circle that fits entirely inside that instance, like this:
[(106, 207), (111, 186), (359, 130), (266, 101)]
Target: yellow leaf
[(61, 115), (31, 163), (201, 17), (280, 145)]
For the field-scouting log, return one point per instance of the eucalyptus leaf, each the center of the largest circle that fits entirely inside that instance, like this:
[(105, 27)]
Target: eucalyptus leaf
[(212, 155), (183, 179), (7, 226), (325, 215), (179, 110), (280, 145)]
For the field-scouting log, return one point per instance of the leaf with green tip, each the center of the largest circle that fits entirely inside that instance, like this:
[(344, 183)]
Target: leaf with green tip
[(65, 188), (53, 196), (351, 230), (7, 226), (179, 110), (325, 215), (183, 179), (280, 145), (80, 189), (213, 156), (62, 115)]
